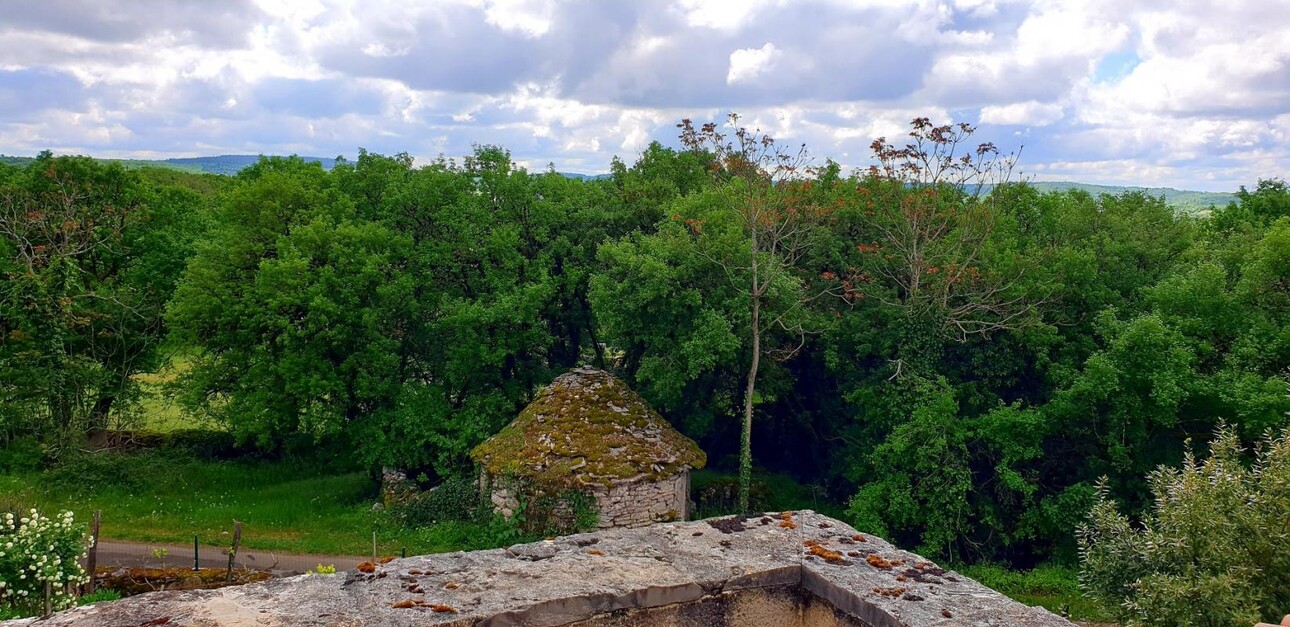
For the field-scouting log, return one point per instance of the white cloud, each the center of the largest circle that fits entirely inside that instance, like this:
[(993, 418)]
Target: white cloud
[(719, 15), (748, 64), (1029, 113), (532, 17), (1200, 90)]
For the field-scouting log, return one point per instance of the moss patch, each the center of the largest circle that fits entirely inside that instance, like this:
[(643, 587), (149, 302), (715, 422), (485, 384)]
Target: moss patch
[(588, 428)]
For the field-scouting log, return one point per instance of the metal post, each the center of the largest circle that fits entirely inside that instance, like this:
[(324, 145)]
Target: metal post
[(196, 564)]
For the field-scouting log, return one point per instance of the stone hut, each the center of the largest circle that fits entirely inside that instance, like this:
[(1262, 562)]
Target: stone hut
[(589, 434)]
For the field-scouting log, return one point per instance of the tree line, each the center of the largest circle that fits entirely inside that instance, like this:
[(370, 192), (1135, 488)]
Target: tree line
[(954, 355)]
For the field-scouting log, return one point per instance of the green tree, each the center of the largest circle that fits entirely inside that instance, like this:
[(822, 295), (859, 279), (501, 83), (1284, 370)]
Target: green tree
[(89, 255), (285, 304)]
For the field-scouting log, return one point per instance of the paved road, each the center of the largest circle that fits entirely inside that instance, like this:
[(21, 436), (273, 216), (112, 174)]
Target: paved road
[(115, 553)]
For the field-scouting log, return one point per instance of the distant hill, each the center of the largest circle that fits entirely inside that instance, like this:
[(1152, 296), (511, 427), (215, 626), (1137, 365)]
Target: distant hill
[(1183, 200), (585, 177), (232, 164), (222, 164)]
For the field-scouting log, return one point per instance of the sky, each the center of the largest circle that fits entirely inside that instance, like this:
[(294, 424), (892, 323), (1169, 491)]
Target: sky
[(1180, 93)]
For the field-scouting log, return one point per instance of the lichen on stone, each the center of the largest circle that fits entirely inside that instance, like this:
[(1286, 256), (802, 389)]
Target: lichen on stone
[(588, 428)]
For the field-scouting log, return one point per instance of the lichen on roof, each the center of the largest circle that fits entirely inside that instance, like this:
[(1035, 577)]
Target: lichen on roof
[(588, 427)]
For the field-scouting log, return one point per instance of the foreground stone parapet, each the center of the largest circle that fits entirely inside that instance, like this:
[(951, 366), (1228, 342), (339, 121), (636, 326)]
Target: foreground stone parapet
[(775, 569)]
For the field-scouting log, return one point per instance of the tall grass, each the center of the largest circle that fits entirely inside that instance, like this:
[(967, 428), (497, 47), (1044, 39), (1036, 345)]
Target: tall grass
[(289, 506)]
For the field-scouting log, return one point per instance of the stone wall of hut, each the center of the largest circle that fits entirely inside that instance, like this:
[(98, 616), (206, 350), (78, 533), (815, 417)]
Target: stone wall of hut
[(634, 504)]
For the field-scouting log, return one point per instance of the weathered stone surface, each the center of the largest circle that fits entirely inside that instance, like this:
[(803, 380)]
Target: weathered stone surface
[(799, 569)]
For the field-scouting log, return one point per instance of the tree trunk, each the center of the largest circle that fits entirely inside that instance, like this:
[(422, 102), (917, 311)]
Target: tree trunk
[(745, 444), (102, 409)]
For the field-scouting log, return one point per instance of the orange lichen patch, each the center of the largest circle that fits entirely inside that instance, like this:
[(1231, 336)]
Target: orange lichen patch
[(878, 561), (417, 571), (786, 516), (811, 542), (451, 585), (832, 557), (591, 426), (901, 578), (889, 592), (436, 607), (387, 559), (788, 524), (366, 567), (859, 538), (595, 552), (853, 553)]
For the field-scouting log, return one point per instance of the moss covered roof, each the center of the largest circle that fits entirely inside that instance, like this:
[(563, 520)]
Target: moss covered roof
[(588, 427)]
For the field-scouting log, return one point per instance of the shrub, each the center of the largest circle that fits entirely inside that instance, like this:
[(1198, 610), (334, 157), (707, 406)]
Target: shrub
[(456, 498), (1213, 550), (21, 455), (1053, 586), (87, 472), (718, 494), (206, 444), (99, 596), (555, 513), (35, 550)]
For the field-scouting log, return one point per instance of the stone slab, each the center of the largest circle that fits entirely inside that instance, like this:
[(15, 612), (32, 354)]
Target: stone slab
[(610, 573)]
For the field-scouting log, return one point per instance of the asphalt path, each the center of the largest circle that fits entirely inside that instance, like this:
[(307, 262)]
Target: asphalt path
[(131, 554)]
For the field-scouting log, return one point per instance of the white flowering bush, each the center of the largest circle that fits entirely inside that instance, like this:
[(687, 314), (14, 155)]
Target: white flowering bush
[(1214, 549), (36, 549)]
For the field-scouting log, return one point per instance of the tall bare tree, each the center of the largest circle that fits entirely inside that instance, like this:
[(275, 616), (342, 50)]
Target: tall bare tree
[(770, 189), (932, 210)]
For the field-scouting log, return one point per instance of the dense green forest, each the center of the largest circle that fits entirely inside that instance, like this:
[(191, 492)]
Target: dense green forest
[(955, 358)]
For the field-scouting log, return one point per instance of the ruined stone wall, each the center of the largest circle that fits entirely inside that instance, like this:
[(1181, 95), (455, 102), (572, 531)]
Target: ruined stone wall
[(627, 505)]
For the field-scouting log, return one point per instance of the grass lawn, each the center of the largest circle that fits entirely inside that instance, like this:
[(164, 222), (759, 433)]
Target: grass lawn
[(1053, 587), (159, 412), (164, 496)]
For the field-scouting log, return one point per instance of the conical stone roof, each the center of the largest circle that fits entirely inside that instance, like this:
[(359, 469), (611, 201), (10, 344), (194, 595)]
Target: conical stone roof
[(588, 427)]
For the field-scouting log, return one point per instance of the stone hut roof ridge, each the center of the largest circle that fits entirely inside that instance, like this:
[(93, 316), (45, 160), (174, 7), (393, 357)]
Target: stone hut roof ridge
[(588, 427)]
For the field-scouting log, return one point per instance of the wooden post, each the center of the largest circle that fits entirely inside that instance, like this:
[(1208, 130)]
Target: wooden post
[(373, 547), (49, 607), (196, 563), (92, 560), (232, 552)]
